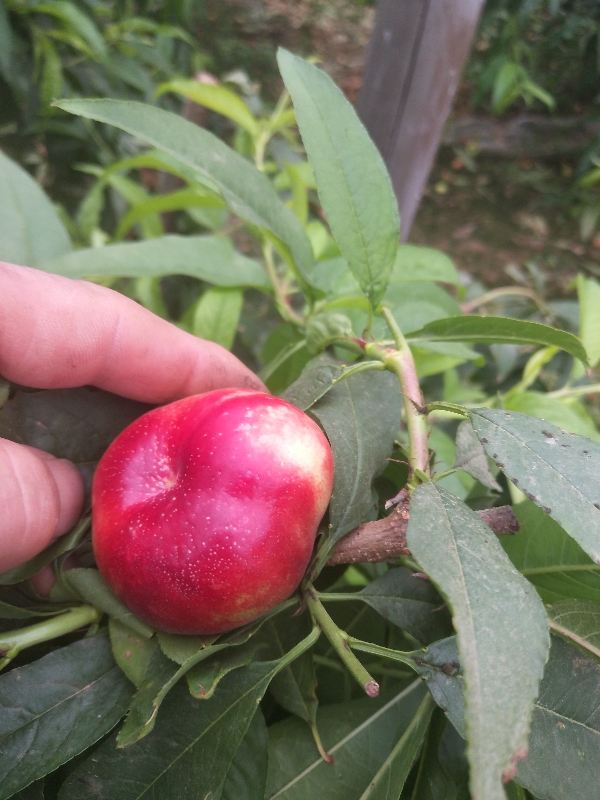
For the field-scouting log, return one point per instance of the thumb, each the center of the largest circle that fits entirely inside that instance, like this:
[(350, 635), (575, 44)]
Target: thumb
[(40, 497)]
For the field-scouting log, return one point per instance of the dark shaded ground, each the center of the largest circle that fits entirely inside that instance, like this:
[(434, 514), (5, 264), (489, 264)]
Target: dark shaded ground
[(506, 221)]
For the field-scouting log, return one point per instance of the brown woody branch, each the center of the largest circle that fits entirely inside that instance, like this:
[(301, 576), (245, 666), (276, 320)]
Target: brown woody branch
[(385, 539)]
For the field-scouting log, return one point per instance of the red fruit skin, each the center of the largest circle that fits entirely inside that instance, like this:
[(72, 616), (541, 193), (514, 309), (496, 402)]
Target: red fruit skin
[(205, 510)]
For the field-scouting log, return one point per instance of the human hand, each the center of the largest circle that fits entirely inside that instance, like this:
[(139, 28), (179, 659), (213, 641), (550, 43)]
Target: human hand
[(59, 333)]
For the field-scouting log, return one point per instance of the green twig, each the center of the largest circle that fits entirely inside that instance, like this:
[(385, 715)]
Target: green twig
[(385, 652), (281, 298), (364, 366), (339, 641), (70, 621), (401, 363)]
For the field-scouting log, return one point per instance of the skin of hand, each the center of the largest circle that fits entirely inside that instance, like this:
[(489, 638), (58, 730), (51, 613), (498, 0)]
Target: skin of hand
[(57, 332)]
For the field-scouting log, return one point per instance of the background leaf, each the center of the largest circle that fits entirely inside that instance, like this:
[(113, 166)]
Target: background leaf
[(550, 558), (217, 314), (433, 781), (91, 587), (247, 776), (578, 621), (187, 755), (208, 258), (588, 291), (361, 441), (55, 708), (359, 735), (538, 404), (247, 192), (558, 471), (391, 776), (217, 98), (30, 229), (416, 263), (77, 424), (564, 749), (354, 186), (501, 626), (499, 330), (410, 603)]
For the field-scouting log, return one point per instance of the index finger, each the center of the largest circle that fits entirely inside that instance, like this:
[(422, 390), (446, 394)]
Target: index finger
[(57, 332)]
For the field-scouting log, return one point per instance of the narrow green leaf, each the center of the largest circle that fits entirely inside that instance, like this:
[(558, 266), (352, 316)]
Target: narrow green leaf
[(502, 661), (217, 314), (91, 587), (217, 98), (189, 753), (9, 611), (564, 746), (588, 292), (55, 708), (359, 735), (549, 558), (247, 776), (162, 675), (136, 195), (433, 781), (392, 774), (284, 356), (30, 229), (538, 404), (209, 258), (558, 471), (578, 621), (175, 201), (499, 330), (77, 21), (415, 263), (361, 442), (294, 687), (411, 603), (247, 192), (352, 180)]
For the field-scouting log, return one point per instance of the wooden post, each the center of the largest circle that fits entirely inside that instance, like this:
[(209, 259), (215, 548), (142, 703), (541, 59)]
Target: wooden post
[(416, 56)]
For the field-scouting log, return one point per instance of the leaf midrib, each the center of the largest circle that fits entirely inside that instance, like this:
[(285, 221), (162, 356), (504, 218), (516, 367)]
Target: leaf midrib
[(355, 732), (358, 227)]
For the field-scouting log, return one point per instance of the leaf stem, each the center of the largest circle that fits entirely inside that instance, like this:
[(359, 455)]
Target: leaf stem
[(385, 652), (340, 643), (401, 363), (70, 621), (281, 298), (363, 366)]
